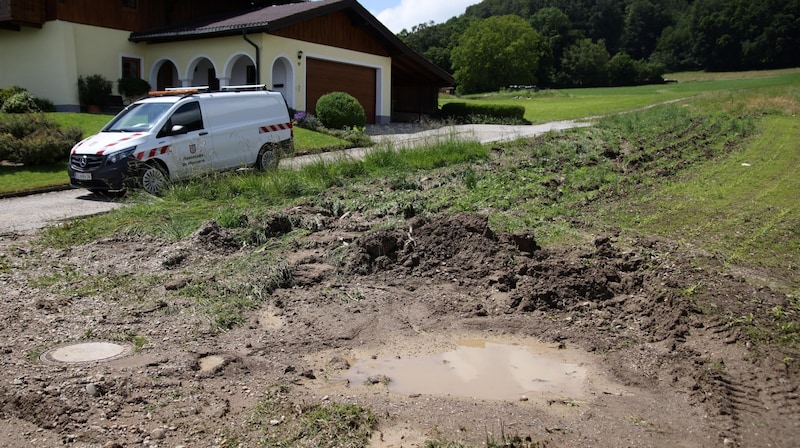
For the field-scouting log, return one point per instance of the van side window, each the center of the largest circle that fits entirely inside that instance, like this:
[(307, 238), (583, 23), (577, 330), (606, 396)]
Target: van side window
[(188, 116)]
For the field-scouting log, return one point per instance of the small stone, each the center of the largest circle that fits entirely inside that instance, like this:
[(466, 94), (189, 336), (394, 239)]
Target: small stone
[(158, 434), (523, 398), (93, 390)]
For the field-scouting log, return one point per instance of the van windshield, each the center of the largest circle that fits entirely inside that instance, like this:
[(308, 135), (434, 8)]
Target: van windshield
[(137, 117)]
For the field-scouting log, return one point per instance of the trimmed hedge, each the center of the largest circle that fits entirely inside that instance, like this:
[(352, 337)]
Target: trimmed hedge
[(32, 139), (340, 110), (464, 110)]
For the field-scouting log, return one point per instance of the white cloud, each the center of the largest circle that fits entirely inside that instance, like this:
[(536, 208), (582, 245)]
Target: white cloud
[(413, 12)]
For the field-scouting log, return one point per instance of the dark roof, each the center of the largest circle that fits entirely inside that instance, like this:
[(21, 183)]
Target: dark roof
[(274, 18)]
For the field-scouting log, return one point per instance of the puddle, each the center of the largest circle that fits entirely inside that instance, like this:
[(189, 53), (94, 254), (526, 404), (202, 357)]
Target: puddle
[(86, 352), (484, 370)]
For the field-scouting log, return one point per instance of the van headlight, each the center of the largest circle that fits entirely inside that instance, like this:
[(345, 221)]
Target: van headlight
[(119, 155)]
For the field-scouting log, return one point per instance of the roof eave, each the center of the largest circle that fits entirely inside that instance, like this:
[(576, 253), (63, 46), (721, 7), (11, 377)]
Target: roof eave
[(195, 35)]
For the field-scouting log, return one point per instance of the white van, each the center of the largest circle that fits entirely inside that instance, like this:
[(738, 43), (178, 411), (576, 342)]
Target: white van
[(177, 134)]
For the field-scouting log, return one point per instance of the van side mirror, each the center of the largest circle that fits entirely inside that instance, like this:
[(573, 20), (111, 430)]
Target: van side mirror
[(178, 130)]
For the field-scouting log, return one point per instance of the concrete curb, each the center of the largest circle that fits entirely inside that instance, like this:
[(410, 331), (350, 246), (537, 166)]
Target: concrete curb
[(19, 194)]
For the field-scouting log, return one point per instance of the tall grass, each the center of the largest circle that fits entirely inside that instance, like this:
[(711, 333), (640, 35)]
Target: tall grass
[(229, 195)]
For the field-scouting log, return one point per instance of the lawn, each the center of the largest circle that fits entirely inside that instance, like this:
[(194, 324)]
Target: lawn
[(570, 104)]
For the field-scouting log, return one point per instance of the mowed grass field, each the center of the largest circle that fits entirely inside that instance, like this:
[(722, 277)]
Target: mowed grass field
[(572, 104), (540, 107)]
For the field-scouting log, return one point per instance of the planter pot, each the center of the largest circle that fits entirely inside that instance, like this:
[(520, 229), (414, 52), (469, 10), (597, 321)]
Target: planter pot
[(94, 109)]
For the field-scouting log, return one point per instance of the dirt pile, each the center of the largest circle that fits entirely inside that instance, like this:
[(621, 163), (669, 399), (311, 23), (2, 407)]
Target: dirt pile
[(656, 322)]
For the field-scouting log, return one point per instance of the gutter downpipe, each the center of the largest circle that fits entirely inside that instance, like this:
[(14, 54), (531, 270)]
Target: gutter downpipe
[(258, 56)]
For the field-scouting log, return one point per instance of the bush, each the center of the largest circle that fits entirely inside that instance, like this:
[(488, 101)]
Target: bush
[(8, 92), (462, 111), (307, 121), (20, 103), (44, 104), (340, 110), (32, 139), (94, 90), (133, 88), (23, 104)]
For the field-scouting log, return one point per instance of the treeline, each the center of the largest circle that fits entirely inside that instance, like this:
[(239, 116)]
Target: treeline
[(611, 42)]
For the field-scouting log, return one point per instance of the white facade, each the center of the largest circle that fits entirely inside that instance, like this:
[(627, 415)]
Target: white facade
[(63, 51)]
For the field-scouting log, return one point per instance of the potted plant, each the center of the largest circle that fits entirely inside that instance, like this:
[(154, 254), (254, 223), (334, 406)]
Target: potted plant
[(132, 88), (93, 92)]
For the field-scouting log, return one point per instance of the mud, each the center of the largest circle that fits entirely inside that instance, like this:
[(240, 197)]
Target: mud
[(651, 324)]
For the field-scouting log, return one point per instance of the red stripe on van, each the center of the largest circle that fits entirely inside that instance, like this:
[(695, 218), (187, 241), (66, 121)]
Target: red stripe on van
[(275, 128), (152, 153)]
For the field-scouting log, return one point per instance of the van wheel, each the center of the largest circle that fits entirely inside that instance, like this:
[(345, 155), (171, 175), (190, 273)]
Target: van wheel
[(154, 179), (266, 159)]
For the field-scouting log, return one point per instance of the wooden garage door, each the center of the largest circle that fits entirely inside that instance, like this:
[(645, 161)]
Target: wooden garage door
[(325, 76)]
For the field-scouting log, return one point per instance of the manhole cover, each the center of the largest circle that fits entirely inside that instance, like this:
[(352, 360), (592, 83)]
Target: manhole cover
[(82, 352)]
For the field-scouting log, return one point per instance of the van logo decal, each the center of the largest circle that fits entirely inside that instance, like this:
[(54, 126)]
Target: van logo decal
[(192, 148), (152, 153)]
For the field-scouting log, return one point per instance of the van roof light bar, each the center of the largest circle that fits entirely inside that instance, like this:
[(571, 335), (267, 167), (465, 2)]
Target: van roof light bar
[(178, 91), (245, 87)]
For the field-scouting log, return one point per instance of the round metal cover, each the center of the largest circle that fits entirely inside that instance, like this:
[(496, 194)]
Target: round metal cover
[(84, 352)]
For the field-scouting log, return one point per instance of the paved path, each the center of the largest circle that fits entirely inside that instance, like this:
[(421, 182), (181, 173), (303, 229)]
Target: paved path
[(30, 212), (485, 133)]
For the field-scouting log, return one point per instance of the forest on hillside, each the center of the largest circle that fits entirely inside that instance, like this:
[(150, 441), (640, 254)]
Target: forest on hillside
[(573, 43)]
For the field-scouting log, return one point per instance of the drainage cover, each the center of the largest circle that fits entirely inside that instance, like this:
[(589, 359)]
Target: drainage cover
[(83, 352)]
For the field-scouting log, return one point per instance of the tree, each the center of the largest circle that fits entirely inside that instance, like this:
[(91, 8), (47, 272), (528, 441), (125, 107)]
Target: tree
[(556, 28), (585, 64), (497, 52), (644, 22), (674, 49), (435, 42)]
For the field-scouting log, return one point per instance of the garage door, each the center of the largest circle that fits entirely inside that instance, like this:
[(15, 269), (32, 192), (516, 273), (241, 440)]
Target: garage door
[(325, 76)]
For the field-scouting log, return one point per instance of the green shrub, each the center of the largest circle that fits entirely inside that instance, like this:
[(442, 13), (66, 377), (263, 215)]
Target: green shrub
[(307, 121), (134, 88), (32, 139), (44, 104), (94, 90), (357, 136), (8, 92), (500, 111), (340, 110), (7, 143), (20, 126), (20, 103)]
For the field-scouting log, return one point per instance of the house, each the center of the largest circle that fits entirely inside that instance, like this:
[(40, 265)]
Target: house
[(302, 49)]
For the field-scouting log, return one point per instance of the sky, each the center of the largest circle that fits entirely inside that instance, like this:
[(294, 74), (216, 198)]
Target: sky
[(399, 14)]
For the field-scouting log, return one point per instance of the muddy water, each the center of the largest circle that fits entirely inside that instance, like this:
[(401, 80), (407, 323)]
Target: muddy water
[(483, 369)]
